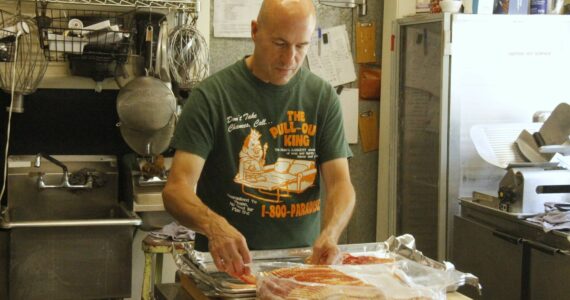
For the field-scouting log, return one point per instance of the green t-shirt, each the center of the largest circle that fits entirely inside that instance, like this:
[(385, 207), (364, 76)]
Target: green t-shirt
[(263, 146)]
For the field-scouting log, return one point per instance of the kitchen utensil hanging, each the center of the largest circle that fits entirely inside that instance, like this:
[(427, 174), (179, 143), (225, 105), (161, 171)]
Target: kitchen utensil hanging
[(187, 53), (23, 63), (146, 106), (22, 66), (164, 70), (161, 69)]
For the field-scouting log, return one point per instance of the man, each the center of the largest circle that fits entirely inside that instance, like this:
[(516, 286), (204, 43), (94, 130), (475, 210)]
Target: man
[(255, 138)]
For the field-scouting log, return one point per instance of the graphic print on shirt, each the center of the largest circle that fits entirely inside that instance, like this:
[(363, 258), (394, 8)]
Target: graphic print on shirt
[(252, 159), (275, 189), (272, 182)]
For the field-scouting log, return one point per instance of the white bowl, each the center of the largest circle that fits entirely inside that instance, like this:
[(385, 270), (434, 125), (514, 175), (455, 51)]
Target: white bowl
[(451, 6)]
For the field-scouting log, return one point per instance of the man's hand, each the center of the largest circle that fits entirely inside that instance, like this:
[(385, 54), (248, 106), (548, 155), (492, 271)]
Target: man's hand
[(325, 251), (228, 248), (340, 199)]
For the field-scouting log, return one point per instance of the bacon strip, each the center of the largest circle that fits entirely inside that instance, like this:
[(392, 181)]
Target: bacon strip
[(334, 285), (248, 278), (349, 259)]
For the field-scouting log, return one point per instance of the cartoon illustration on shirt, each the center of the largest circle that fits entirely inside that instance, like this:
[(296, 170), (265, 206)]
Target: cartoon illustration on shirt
[(252, 158), (271, 182)]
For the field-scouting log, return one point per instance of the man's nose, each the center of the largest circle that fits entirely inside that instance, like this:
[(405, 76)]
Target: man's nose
[(288, 56)]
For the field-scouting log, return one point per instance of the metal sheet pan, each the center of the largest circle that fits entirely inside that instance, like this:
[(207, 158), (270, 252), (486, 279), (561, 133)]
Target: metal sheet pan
[(201, 266)]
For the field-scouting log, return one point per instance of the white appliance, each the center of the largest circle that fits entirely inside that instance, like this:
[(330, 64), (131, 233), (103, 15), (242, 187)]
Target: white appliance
[(451, 72)]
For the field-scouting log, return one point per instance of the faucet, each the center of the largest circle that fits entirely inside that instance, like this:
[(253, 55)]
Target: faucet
[(65, 178)]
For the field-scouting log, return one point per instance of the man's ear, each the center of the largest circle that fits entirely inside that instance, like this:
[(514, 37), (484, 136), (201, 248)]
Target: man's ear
[(253, 29)]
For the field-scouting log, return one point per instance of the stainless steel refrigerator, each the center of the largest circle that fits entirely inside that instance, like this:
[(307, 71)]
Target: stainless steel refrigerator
[(451, 72)]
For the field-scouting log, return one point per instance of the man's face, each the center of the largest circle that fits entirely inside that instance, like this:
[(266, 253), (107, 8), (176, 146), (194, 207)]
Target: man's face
[(280, 48)]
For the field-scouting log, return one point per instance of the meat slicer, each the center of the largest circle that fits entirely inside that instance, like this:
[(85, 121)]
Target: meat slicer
[(526, 189), (147, 122), (537, 165)]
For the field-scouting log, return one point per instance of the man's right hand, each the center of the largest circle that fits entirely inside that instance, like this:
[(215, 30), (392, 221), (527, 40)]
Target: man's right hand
[(227, 245), (228, 248)]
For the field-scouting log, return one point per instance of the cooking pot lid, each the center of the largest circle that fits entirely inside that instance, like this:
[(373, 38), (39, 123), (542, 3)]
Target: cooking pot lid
[(149, 142), (146, 104)]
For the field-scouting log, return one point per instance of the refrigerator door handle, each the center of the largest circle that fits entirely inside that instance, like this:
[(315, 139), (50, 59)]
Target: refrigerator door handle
[(507, 237), (545, 248)]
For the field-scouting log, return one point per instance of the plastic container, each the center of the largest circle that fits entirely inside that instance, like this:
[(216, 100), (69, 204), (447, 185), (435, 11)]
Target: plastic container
[(66, 44)]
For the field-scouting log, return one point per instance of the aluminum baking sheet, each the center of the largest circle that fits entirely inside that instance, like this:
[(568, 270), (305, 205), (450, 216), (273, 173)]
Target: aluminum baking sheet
[(202, 267), (296, 255), (220, 282)]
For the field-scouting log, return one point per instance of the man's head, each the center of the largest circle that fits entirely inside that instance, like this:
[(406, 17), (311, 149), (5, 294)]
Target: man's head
[(281, 34)]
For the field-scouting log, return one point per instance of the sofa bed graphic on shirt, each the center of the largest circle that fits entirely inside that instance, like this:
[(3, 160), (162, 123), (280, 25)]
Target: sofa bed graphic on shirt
[(272, 182)]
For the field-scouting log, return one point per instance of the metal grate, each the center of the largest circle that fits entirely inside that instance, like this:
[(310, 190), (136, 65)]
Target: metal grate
[(97, 34), (186, 5)]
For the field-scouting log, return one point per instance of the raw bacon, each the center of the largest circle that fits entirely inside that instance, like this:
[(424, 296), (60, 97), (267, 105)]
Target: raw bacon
[(318, 274), (315, 282), (248, 278), (349, 259)]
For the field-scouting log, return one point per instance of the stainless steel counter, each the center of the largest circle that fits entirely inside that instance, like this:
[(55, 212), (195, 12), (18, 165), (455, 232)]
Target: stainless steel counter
[(513, 258), (514, 224)]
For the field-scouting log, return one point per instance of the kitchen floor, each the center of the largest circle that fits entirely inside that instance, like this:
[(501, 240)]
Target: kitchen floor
[(168, 271)]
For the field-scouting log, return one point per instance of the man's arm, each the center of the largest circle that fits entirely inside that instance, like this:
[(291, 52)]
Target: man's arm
[(227, 245), (340, 200)]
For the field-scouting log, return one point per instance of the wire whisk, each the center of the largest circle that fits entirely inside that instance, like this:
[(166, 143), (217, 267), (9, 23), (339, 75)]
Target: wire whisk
[(22, 61), (187, 54)]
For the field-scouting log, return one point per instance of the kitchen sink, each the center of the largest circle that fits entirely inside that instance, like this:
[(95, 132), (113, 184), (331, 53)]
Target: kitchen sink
[(98, 216), (69, 235), (30, 205)]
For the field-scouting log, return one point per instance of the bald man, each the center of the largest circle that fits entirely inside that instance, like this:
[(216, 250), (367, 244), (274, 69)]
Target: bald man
[(252, 145)]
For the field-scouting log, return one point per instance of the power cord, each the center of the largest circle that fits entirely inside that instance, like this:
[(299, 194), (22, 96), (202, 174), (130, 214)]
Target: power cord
[(10, 115)]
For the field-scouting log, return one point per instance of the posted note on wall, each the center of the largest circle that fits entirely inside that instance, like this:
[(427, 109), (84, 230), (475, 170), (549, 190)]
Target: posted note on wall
[(330, 56), (349, 105), (232, 18)]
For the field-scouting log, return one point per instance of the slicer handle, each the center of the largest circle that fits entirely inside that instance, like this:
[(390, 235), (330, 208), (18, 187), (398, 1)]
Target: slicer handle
[(538, 139), (563, 149)]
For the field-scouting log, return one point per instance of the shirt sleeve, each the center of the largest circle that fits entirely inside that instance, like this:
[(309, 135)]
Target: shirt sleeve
[(332, 142), (195, 128)]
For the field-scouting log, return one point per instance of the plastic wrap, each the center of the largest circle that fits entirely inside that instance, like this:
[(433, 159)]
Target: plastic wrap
[(402, 279)]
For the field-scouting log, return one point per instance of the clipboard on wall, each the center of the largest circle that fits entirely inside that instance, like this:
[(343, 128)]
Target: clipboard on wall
[(368, 127), (366, 42)]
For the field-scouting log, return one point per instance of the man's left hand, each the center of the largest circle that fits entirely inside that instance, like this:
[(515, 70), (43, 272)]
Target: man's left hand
[(325, 251)]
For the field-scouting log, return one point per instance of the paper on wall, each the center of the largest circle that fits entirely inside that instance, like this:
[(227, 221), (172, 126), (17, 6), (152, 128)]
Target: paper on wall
[(349, 105), (232, 18), (333, 62)]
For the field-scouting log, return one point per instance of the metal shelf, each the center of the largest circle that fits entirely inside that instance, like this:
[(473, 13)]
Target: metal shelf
[(186, 5)]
